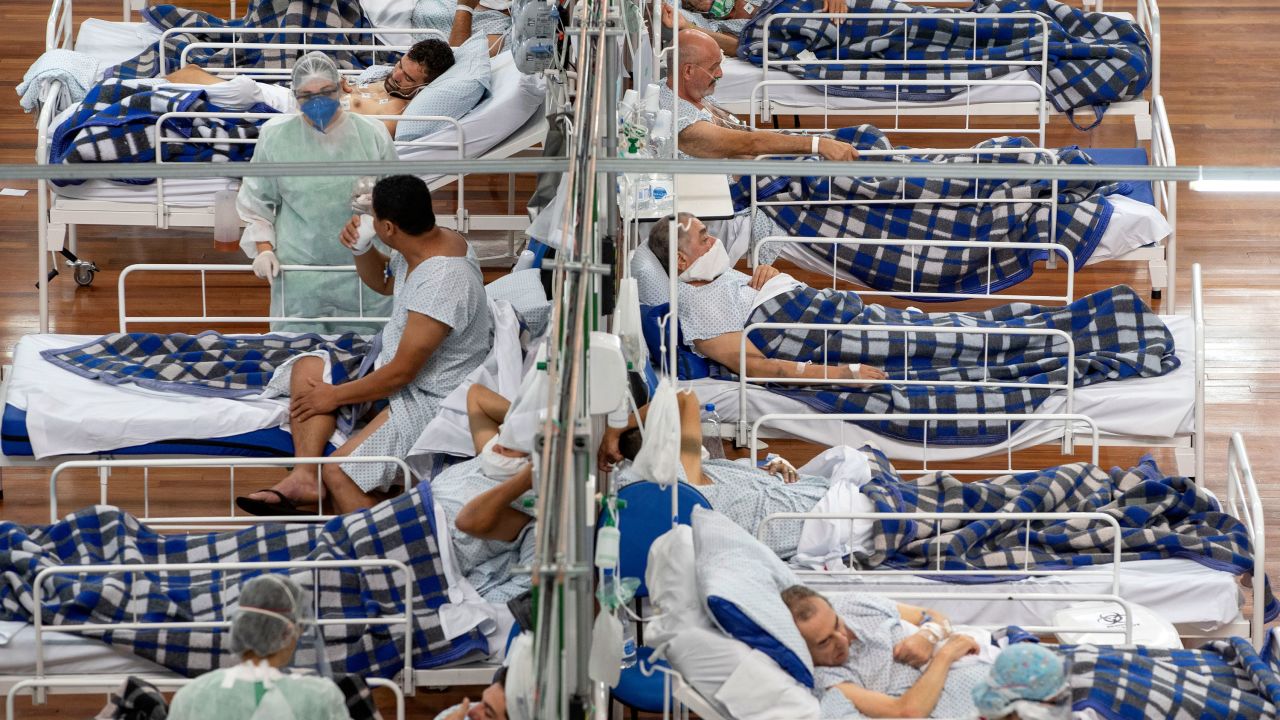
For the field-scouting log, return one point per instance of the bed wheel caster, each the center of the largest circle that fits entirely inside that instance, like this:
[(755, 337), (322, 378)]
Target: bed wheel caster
[(83, 272), (1156, 293)]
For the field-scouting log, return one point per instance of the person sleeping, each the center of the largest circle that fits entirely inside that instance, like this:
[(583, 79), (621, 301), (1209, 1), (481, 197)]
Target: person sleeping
[(1113, 334)]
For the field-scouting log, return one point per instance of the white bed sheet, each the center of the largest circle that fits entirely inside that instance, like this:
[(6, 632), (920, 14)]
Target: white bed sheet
[(1177, 589), (1133, 225), (1157, 407), (66, 654), (514, 99), (69, 414)]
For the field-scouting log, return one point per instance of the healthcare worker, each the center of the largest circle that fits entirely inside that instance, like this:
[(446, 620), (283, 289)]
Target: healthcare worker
[(265, 631), (296, 220)]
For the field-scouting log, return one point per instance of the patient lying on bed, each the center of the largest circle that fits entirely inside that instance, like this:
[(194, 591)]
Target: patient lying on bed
[(888, 659), (389, 94)]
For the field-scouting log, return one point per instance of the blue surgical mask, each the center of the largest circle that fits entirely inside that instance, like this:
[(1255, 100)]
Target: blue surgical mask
[(320, 111)]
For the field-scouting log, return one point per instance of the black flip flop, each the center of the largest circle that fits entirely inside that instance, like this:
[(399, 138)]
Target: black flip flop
[(286, 506)]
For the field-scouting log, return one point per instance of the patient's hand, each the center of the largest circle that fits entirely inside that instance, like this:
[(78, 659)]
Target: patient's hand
[(956, 647), (835, 6), (783, 469), (316, 397), (762, 275), (915, 650), (461, 712), (609, 455), (668, 14), (867, 372), (836, 150)]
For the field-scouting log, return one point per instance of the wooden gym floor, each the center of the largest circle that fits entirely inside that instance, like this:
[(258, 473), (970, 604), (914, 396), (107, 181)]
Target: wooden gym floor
[(1219, 84)]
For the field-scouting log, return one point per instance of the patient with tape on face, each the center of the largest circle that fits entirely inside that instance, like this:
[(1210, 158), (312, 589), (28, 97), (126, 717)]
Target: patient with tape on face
[(390, 94)]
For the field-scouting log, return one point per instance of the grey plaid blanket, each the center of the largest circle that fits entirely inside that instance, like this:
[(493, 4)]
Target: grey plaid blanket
[(1224, 680), (1093, 59), (400, 529), (1116, 337), (975, 210), (258, 14), (1159, 517)]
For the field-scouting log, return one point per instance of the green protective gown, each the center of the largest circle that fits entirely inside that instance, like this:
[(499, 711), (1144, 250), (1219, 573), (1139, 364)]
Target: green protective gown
[(307, 214), (290, 697)]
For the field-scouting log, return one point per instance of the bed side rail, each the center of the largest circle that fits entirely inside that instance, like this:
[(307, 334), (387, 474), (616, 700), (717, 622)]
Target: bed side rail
[(1075, 425), (1164, 154), (231, 521), (219, 570), (59, 31), (1245, 504), (165, 139), (1058, 249), (306, 42), (204, 318), (1038, 67), (1062, 342), (1197, 318)]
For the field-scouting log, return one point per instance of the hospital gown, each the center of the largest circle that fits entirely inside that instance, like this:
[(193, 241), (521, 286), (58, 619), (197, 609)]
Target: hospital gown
[(686, 114), (747, 496), (307, 214), (486, 564), (306, 697), (447, 289), (877, 626), (719, 307)]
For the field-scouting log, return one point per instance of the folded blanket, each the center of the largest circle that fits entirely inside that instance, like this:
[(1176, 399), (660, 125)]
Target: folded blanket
[(1224, 680), (1094, 59), (978, 210), (1160, 516), (399, 529), (1116, 337), (76, 71), (260, 14), (117, 121)]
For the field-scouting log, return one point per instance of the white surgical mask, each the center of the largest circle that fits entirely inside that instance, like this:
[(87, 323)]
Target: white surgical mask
[(497, 466), (713, 263)]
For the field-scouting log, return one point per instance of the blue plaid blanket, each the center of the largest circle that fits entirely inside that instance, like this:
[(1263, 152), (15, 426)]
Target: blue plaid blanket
[(1094, 59), (1159, 516), (977, 210), (117, 122), (401, 529), (1116, 337), (1223, 680), (260, 14)]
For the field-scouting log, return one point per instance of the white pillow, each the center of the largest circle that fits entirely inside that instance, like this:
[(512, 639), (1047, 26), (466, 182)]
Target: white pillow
[(651, 280), (453, 94), (390, 14), (672, 579), (760, 690)]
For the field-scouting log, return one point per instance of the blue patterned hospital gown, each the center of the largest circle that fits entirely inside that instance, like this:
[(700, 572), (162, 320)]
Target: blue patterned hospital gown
[(877, 626), (747, 496), (487, 564), (447, 289)]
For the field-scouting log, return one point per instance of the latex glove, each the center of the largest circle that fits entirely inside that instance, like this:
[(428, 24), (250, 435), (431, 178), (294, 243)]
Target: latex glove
[(266, 266)]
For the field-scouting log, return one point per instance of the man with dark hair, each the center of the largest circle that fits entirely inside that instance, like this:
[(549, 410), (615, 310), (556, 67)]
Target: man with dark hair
[(440, 329), (492, 704), (380, 90), (887, 659)]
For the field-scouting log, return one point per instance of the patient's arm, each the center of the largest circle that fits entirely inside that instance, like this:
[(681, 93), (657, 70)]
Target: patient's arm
[(915, 615), (690, 439), (920, 700), (489, 515), (724, 349), (193, 75), (486, 410), (709, 140)]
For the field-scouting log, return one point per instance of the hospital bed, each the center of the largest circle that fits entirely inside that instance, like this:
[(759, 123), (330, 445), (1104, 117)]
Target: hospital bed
[(1155, 412), (507, 123), (1142, 225), (71, 660), (766, 91)]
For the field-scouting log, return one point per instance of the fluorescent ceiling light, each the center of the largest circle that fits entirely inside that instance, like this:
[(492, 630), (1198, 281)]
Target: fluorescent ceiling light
[(1239, 186)]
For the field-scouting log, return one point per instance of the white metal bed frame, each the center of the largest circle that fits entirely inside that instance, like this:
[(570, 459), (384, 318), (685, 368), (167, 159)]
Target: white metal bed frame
[(1147, 17), (40, 683), (58, 216), (1189, 450), (1161, 257)]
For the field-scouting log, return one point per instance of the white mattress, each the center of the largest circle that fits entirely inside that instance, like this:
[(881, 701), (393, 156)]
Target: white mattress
[(514, 99), (1177, 589), (1156, 407), (1133, 225), (69, 414), (740, 78), (66, 654)]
